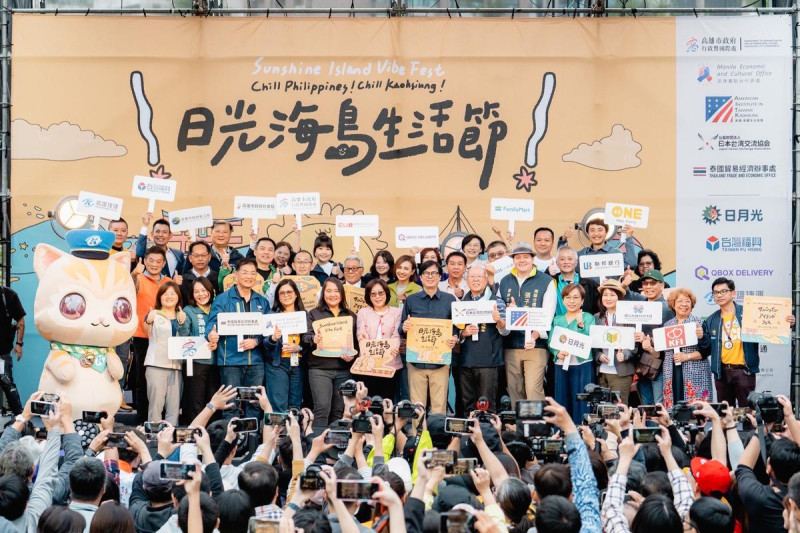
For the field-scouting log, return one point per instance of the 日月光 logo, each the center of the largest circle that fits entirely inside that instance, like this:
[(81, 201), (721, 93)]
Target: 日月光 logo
[(711, 214)]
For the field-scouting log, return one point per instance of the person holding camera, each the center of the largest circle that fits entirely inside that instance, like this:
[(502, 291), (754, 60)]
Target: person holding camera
[(734, 362), (656, 512)]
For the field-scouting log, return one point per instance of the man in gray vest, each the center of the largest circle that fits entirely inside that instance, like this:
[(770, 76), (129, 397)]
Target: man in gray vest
[(526, 363)]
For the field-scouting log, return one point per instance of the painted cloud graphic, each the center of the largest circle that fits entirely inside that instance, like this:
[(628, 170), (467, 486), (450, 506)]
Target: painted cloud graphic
[(59, 142), (618, 151)]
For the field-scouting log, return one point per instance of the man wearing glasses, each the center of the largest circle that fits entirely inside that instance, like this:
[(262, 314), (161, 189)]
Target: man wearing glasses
[(240, 359), (199, 257), (353, 271), (429, 381), (734, 363)]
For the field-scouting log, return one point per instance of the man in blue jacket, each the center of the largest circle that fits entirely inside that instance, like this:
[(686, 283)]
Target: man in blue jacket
[(240, 363), (734, 362)]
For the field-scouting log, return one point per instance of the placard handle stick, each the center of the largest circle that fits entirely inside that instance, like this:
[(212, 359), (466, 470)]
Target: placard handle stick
[(356, 243), (298, 220), (255, 226), (638, 328), (677, 351), (151, 205), (527, 336), (285, 338), (475, 337), (95, 222), (189, 366), (192, 235), (511, 226)]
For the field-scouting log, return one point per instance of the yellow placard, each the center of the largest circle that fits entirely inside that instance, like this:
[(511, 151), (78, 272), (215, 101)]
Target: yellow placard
[(374, 358), (426, 341), (764, 320), (337, 336)]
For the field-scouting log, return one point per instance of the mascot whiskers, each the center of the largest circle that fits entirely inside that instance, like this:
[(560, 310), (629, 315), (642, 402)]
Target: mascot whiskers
[(85, 306)]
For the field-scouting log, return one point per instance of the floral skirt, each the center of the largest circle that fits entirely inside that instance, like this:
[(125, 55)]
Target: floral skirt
[(689, 381)]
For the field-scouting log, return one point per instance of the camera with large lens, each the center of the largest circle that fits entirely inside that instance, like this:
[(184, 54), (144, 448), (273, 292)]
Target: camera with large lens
[(348, 388), (595, 394), (507, 414), (375, 405), (765, 403), (483, 415), (406, 410), (311, 479)]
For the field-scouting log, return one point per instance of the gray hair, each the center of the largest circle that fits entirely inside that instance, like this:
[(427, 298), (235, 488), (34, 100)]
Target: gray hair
[(479, 267), (354, 258), (566, 248), (16, 459)]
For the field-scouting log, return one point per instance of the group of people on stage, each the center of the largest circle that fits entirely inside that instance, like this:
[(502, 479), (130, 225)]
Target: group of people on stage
[(181, 294)]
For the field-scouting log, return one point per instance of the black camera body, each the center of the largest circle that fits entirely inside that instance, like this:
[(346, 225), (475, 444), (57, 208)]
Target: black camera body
[(298, 415), (348, 388), (683, 413), (311, 479), (406, 410), (362, 423), (595, 394), (765, 403)]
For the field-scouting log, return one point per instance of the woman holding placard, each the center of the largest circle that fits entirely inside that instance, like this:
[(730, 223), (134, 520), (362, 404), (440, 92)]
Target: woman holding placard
[(284, 369), (380, 321), (404, 270), (326, 373), (573, 373), (615, 368), (204, 382), (163, 375), (687, 373)]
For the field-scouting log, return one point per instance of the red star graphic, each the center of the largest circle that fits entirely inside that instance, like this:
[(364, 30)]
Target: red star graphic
[(160, 173), (525, 179)]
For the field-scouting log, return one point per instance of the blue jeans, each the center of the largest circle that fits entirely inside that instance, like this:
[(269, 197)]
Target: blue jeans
[(284, 385), (568, 384), (242, 376), (651, 392)]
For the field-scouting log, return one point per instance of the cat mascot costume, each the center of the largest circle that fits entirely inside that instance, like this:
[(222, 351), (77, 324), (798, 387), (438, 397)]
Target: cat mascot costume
[(85, 306)]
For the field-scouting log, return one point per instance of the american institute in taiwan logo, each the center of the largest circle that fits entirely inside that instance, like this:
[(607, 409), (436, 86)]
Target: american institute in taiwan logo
[(719, 109)]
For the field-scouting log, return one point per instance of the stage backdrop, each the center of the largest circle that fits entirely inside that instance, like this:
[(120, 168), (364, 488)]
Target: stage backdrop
[(419, 121)]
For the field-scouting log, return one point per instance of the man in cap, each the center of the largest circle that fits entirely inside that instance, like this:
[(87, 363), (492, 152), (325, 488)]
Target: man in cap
[(651, 391), (711, 477), (526, 360)]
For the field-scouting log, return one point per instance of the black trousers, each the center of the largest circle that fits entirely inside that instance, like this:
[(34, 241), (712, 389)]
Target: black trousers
[(475, 382), (198, 390), (9, 387), (140, 345)]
